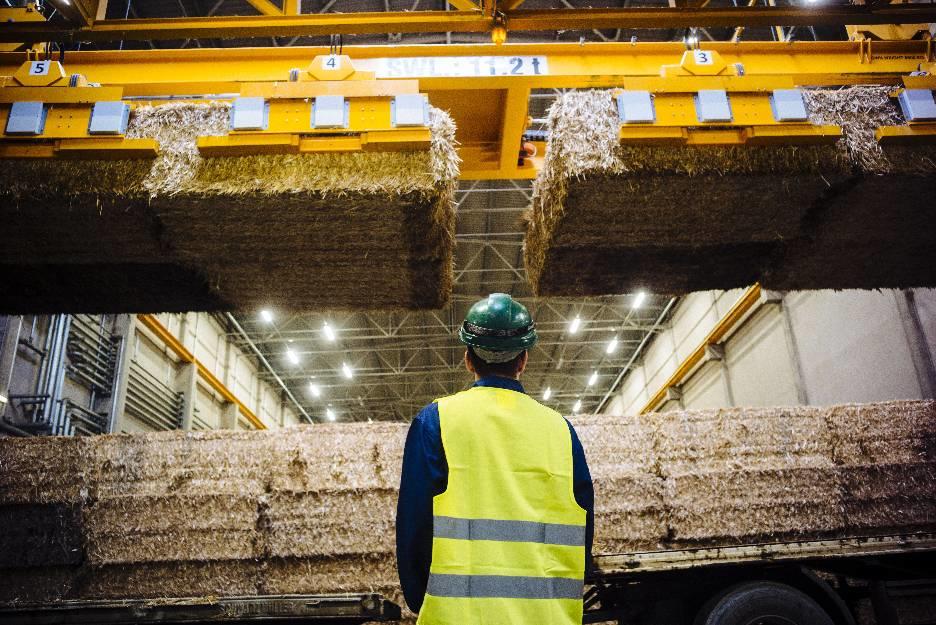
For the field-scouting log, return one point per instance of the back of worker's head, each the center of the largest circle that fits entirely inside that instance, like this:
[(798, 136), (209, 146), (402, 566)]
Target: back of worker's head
[(498, 331)]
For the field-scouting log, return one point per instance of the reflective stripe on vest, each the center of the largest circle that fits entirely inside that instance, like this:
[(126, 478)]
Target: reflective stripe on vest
[(508, 537)]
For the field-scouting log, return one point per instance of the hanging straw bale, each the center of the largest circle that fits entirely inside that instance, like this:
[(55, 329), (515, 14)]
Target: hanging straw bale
[(875, 231), (699, 209), (363, 230), (610, 218)]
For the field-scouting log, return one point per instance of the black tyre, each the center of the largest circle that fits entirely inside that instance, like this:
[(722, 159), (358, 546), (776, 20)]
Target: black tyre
[(762, 603)]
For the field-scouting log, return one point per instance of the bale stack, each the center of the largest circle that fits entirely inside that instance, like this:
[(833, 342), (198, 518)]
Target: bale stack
[(183, 232), (312, 509), (612, 218)]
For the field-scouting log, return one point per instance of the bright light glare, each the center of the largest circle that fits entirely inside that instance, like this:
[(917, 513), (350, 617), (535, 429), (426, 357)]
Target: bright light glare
[(328, 332), (574, 325), (547, 394), (639, 299), (315, 389), (292, 356), (330, 414), (612, 346), (266, 315), (577, 406), (346, 370), (593, 378)]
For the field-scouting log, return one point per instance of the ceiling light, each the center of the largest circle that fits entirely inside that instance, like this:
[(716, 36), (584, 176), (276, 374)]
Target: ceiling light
[(330, 414), (612, 346), (266, 315), (328, 332), (593, 378), (574, 325), (577, 406), (639, 299), (315, 389), (547, 394), (346, 370), (292, 356)]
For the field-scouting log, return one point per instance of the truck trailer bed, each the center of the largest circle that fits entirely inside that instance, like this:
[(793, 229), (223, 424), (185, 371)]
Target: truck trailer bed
[(256, 610)]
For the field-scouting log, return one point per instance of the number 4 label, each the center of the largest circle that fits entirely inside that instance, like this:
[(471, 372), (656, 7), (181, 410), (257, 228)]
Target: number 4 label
[(332, 61), (39, 68), (703, 57)]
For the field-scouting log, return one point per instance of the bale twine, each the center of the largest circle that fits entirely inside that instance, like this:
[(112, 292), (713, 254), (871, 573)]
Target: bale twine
[(361, 229), (609, 218), (311, 509)]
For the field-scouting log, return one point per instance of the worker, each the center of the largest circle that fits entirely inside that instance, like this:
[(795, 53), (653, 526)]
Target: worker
[(496, 510)]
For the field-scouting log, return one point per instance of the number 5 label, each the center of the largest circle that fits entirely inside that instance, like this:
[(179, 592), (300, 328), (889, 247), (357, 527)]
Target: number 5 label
[(39, 68), (332, 61), (702, 57)]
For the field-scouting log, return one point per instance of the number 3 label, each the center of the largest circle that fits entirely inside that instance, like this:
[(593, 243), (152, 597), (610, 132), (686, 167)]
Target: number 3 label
[(702, 57), (332, 61), (39, 68)]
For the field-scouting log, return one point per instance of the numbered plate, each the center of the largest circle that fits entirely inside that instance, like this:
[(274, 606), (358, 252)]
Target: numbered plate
[(462, 66), (39, 68), (703, 57)]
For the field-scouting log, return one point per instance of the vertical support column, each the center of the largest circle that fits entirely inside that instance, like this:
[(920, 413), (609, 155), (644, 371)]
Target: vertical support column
[(125, 327), (10, 329), (516, 111), (229, 416), (790, 336), (187, 384), (920, 353)]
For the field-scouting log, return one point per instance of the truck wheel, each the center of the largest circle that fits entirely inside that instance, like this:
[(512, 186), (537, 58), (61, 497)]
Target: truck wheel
[(762, 603)]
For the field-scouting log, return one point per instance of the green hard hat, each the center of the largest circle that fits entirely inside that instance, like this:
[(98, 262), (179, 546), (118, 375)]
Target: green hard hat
[(498, 323)]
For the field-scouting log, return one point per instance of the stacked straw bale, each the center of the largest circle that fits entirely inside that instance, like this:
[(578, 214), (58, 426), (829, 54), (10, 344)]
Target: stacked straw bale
[(183, 232), (611, 218), (312, 509)]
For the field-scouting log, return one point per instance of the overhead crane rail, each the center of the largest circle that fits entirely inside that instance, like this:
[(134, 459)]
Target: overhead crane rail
[(376, 97)]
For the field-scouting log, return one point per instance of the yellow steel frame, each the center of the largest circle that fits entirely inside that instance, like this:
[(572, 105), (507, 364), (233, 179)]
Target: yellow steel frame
[(491, 111)]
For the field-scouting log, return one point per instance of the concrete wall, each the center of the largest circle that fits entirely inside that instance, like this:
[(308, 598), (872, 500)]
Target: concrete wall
[(814, 347), (143, 356)]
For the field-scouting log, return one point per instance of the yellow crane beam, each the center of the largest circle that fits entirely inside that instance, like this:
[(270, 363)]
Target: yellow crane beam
[(471, 20), (485, 87)]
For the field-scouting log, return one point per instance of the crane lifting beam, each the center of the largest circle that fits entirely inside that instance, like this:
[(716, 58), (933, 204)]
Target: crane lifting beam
[(486, 88)]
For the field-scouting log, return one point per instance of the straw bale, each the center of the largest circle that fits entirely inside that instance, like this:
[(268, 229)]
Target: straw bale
[(172, 546), (40, 535), (607, 218), (42, 470), (154, 580), (772, 498), (891, 497), (234, 231), (331, 523), (38, 584), (167, 463), (741, 433), (897, 432), (136, 514), (351, 573)]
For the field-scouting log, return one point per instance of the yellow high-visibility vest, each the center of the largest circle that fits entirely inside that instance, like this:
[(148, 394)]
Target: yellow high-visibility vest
[(508, 543)]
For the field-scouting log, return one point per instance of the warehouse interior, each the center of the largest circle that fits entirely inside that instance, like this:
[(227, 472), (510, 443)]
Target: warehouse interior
[(238, 239)]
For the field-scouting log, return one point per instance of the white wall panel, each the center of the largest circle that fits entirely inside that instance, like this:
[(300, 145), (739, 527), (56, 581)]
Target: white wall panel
[(706, 389), (853, 347), (760, 368)]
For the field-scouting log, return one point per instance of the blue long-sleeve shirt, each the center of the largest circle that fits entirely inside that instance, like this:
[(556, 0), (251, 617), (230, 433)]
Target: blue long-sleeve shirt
[(425, 475)]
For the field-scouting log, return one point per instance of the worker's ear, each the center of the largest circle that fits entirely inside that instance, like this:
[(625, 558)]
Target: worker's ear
[(523, 362), (468, 364)]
